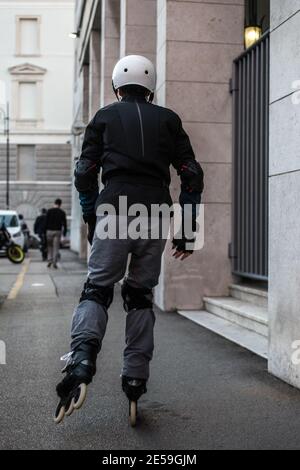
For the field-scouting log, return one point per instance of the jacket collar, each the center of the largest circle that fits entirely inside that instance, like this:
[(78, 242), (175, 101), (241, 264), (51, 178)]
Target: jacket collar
[(133, 98)]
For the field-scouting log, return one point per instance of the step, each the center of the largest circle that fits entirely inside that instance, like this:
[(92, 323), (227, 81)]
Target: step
[(242, 313), (255, 295), (247, 339)]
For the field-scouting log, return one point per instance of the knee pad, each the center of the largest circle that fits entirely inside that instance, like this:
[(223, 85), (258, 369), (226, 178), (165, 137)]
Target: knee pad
[(136, 298), (103, 295)]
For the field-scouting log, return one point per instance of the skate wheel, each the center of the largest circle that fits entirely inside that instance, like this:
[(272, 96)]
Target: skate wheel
[(70, 408), (132, 413), (59, 414), (79, 396)]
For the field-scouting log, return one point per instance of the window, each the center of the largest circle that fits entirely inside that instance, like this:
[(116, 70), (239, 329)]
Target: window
[(27, 105), (26, 162), (28, 101), (9, 220), (28, 36)]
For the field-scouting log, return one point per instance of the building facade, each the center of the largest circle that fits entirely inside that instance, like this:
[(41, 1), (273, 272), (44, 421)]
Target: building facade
[(36, 76), (237, 104)]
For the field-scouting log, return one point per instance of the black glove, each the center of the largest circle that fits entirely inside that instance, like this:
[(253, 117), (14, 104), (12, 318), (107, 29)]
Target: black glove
[(181, 244), (90, 220)]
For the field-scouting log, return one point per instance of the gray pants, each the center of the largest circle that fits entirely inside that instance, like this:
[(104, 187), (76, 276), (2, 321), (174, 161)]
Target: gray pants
[(107, 265), (53, 243)]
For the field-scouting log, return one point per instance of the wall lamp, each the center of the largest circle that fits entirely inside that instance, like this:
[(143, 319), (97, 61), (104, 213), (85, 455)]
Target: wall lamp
[(252, 35), (253, 25)]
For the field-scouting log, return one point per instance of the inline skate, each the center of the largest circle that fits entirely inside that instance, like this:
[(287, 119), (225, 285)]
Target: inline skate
[(80, 368), (133, 389)]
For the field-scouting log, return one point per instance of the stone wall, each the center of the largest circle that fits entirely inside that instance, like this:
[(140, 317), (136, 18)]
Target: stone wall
[(284, 265), (197, 42), (138, 28), (110, 47)]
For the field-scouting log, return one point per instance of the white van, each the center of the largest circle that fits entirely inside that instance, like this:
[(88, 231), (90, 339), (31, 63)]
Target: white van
[(11, 220)]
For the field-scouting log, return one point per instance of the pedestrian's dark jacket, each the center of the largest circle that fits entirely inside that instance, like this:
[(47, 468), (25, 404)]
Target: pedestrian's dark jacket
[(40, 224), (24, 227), (56, 220), (135, 143)]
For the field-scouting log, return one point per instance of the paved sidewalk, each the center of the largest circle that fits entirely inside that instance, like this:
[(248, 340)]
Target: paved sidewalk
[(204, 392)]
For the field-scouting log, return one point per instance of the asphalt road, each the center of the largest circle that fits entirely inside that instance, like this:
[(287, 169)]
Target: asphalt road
[(204, 392)]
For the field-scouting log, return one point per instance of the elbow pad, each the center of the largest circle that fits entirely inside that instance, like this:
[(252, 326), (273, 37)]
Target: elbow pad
[(86, 175), (191, 175)]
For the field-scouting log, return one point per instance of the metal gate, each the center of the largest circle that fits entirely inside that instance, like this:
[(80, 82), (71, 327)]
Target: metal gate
[(250, 88)]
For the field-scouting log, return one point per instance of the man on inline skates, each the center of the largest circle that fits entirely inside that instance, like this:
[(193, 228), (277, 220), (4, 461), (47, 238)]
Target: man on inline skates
[(133, 142)]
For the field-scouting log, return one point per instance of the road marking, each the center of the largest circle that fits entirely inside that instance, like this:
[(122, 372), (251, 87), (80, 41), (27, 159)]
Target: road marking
[(19, 281)]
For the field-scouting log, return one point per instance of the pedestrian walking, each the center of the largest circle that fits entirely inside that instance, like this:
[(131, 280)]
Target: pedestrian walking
[(134, 142), (25, 231), (56, 226), (39, 229)]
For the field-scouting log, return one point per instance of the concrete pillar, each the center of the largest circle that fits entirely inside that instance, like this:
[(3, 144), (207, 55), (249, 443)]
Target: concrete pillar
[(85, 94), (196, 44), (94, 72), (110, 47), (284, 214), (138, 28)]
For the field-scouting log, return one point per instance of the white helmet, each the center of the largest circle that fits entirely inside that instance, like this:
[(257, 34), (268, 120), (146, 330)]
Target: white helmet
[(134, 70)]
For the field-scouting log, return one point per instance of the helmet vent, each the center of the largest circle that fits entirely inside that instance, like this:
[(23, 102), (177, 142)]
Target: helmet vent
[(146, 72), (125, 70)]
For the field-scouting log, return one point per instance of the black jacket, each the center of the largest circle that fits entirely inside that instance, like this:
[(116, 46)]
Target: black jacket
[(56, 220), (40, 224), (135, 142)]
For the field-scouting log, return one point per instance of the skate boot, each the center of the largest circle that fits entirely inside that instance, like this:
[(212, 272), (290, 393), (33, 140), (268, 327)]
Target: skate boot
[(133, 389), (80, 368)]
